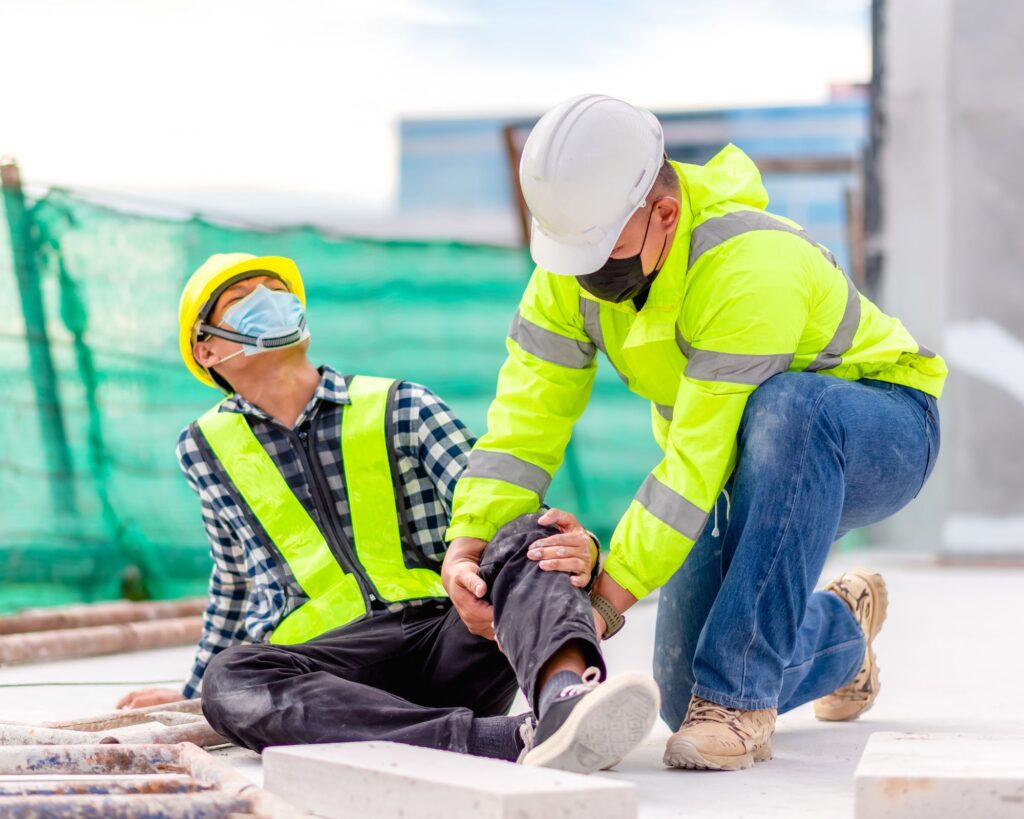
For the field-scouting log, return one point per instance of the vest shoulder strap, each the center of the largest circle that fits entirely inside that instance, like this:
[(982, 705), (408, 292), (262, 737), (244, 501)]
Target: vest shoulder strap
[(374, 495)]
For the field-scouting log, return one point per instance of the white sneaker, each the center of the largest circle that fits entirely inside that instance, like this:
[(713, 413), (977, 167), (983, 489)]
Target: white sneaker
[(592, 725)]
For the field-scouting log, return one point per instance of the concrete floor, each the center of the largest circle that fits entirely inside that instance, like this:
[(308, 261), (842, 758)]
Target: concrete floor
[(951, 659)]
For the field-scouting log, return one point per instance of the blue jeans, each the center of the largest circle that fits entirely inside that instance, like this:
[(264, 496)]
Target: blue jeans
[(740, 623)]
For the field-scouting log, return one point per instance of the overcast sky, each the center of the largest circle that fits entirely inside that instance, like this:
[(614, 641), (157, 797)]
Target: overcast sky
[(208, 101)]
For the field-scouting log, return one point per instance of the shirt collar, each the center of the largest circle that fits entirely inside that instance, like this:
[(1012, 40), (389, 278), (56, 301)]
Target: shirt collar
[(333, 388)]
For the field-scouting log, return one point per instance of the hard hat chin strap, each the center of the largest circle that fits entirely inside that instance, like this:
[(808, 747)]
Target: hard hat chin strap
[(260, 342)]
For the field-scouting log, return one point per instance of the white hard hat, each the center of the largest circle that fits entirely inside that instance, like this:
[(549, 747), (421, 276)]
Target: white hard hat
[(587, 167)]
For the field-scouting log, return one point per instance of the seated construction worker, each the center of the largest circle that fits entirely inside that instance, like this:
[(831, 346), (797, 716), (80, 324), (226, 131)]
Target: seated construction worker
[(326, 499)]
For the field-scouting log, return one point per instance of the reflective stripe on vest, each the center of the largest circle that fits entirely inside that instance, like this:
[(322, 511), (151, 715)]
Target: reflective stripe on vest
[(335, 596), (365, 453)]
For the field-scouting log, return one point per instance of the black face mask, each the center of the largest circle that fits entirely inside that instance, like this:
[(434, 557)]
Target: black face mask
[(619, 280)]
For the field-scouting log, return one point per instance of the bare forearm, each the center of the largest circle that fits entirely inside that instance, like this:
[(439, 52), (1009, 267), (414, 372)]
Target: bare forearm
[(613, 592), (465, 548)]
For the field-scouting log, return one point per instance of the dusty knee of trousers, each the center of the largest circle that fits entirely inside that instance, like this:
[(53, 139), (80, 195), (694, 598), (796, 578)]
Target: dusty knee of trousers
[(515, 538), (225, 675)]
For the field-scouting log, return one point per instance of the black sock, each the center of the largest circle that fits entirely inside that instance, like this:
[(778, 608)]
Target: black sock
[(495, 737), (553, 687)]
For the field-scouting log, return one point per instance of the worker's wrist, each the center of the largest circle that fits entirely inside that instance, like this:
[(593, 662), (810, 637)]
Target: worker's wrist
[(615, 594), (465, 548)]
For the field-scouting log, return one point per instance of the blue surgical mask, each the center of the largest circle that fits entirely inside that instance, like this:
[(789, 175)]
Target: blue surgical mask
[(264, 320)]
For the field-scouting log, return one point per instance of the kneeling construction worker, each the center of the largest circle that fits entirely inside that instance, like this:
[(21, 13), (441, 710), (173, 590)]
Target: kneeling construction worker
[(326, 498), (790, 410)]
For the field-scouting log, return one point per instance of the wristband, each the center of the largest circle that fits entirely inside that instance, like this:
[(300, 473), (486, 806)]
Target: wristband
[(612, 618)]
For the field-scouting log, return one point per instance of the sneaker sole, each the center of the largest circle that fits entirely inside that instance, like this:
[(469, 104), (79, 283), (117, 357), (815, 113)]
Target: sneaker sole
[(603, 728), (681, 753), (880, 594)]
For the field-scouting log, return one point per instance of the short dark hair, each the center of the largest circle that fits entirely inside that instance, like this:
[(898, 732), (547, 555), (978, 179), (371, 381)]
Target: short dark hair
[(667, 180)]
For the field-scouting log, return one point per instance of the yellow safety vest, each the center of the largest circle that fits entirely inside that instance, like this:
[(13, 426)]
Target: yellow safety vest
[(743, 295), (337, 594)]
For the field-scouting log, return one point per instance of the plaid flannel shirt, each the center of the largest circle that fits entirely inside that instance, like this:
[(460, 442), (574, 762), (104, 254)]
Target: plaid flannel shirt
[(250, 591)]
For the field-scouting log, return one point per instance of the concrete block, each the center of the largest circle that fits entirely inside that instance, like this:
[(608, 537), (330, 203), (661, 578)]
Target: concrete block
[(387, 780), (940, 776)]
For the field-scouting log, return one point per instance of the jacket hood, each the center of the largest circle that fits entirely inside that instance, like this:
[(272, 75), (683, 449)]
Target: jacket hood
[(730, 176)]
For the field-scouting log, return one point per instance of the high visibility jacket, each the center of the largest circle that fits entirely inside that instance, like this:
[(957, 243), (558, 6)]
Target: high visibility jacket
[(337, 578), (743, 295)]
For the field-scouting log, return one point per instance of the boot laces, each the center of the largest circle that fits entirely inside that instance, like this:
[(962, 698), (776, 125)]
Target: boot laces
[(702, 710), (527, 730), (591, 680)]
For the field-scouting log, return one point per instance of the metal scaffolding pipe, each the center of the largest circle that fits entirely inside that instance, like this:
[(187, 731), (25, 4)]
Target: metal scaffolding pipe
[(208, 770), (129, 716), (45, 646), (197, 731), (76, 760), (221, 790), (99, 614), (167, 806), (167, 783), (13, 734)]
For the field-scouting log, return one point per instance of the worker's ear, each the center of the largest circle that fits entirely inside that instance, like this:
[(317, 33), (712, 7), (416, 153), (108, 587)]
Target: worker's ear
[(204, 354), (666, 211)]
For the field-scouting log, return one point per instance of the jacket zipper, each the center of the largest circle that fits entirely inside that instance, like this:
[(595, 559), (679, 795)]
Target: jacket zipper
[(320, 492)]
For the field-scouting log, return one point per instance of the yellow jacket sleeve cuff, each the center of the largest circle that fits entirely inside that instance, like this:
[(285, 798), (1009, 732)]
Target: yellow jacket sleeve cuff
[(479, 529), (617, 571)]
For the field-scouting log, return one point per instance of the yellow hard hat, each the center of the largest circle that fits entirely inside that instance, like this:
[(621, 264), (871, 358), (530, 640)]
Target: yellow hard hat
[(218, 273)]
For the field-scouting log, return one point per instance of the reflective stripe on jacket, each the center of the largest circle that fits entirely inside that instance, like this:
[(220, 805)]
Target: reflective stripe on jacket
[(335, 575), (743, 295)]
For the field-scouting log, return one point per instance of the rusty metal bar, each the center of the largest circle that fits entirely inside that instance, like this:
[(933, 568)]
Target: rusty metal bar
[(95, 640), (174, 717), (208, 770), (129, 716), (165, 806), (178, 728), (99, 614), (76, 760), (198, 732), (11, 734), (222, 790), (168, 783)]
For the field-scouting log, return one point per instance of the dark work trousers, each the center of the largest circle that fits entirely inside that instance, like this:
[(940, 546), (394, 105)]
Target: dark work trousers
[(415, 676)]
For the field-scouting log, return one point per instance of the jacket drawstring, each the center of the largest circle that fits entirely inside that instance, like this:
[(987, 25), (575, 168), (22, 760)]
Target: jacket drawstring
[(728, 510)]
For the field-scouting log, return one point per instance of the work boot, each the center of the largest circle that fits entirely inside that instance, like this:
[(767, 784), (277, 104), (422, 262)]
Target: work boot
[(717, 738), (590, 726), (865, 593)]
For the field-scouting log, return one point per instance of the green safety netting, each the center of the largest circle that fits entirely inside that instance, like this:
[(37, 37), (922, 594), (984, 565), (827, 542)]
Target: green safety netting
[(92, 504)]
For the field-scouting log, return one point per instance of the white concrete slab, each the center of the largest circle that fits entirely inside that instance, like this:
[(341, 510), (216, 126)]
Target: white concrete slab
[(949, 655), (391, 781), (940, 776)]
